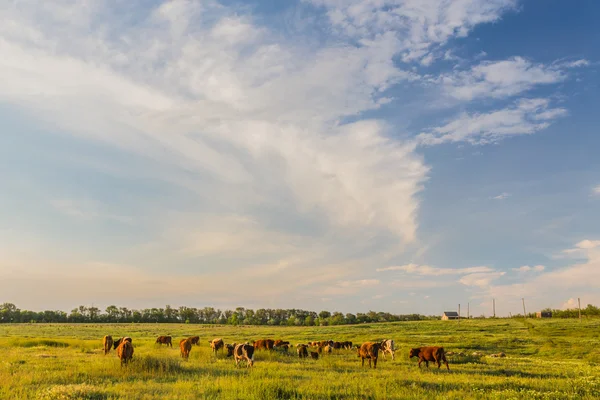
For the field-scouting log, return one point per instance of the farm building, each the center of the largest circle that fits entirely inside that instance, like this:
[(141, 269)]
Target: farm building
[(449, 315), (543, 314)]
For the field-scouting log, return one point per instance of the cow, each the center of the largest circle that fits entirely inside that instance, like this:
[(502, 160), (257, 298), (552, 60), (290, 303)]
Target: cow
[(107, 343), (369, 351), (167, 340), (432, 353), (125, 352), (117, 342), (324, 343), (302, 351), (346, 345), (230, 348), (337, 345), (328, 349), (314, 355), (185, 346), (387, 346), (216, 344), (264, 344), (283, 348), (280, 342), (195, 340), (244, 351)]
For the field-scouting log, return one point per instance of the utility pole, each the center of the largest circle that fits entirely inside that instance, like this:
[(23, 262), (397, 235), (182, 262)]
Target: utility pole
[(524, 312), (468, 310), (459, 314), (579, 303), (494, 303)]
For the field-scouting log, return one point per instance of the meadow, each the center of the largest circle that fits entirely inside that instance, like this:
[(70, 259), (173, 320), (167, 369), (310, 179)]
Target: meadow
[(545, 359)]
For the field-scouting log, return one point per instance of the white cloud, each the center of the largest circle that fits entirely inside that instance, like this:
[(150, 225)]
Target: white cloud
[(526, 116), (421, 26), (544, 288), (500, 79), (596, 190), (569, 304), (481, 280), (527, 268), (426, 270), (501, 196), (359, 283)]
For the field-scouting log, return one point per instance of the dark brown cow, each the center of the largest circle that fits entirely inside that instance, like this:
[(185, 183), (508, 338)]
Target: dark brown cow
[(314, 355), (216, 344), (185, 346), (369, 350), (337, 345), (117, 342), (324, 343), (347, 345), (244, 351), (125, 352), (280, 342), (107, 343), (165, 340), (230, 348), (195, 340), (302, 351), (431, 353)]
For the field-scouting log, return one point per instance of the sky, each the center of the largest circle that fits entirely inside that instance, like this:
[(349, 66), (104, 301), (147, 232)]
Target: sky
[(403, 156)]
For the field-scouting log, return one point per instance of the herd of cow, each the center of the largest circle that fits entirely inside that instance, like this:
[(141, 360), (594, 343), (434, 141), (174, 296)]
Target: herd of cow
[(245, 351)]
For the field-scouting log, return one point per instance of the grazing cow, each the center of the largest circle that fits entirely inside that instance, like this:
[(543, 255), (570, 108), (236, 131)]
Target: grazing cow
[(432, 353), (244, 351), (387, 346), (281, 348), (314, 355), (230, 348), (216, 344), (167, 340), (107, 343), (117, 342), (264, 344), (337, 345), (328, 349), (324, 343), (302, 351), (369, 350), (346, 345), (185, 346), (195, 340), (280, 342), (125, 352)]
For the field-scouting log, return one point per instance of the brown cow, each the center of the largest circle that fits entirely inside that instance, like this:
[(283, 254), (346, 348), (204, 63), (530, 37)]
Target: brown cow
[(337, 345), (302, 350), (280, 342), (244, 351), (195, 340), (369, 351), (216, 344), (346, 345), (314, 355), (164, 340), (117, 342), (387, 346), (107, 343), (185, 346), (125, 352), (264, 344), (432, 353)]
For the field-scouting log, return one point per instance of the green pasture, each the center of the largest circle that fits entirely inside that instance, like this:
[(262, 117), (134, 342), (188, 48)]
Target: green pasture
[(545, 359)]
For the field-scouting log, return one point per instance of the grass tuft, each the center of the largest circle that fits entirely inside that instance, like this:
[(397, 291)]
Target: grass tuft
[(72, 392)]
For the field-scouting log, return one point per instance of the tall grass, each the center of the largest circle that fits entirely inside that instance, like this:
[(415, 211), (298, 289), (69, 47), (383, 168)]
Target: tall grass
[(549, 359)]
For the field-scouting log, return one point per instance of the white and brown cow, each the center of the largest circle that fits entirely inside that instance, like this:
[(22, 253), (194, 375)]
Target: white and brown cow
[(387, 346)]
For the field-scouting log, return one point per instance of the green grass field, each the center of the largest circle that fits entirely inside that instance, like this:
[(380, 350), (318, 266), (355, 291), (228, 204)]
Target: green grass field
[(546, 359)]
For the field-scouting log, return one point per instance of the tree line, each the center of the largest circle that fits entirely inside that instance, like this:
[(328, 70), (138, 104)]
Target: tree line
[(9, 313)]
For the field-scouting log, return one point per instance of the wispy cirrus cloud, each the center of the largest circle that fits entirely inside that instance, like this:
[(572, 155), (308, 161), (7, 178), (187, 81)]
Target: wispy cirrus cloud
[(524, 117), (501, 196), (527, 268), (426, 270), (505, 78)]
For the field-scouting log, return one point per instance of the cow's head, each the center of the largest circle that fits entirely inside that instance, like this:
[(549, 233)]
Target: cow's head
[(414, 353), (117, 343)]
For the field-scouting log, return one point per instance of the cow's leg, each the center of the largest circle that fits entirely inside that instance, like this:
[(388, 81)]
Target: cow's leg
[(363, 362), (369, 362), (420, 361), (393, 355), (375, 363), (427, 363), (446, 362)]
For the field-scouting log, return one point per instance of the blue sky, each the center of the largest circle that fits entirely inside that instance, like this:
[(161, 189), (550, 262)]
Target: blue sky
[(399, 155)]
